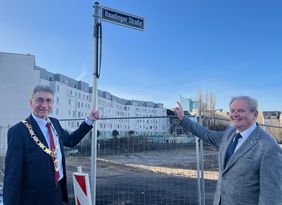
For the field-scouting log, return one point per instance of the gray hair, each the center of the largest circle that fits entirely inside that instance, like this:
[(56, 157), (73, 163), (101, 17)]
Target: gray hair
[(251, 101), (43, 88)]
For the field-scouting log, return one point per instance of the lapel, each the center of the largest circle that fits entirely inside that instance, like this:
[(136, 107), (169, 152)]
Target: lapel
[(37, 130), (251, 141)]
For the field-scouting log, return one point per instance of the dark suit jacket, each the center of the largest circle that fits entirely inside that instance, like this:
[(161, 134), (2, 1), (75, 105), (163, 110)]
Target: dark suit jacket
[(29, 172), (253, 175)]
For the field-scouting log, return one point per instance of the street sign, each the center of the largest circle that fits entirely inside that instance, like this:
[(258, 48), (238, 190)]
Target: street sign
[(122, 18)]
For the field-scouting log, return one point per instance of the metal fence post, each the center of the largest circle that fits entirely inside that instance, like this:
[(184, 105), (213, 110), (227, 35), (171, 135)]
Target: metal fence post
[(200, 167)]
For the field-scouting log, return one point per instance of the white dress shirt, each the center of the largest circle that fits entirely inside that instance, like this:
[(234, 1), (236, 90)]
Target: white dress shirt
[(42, 125), (245, 134)]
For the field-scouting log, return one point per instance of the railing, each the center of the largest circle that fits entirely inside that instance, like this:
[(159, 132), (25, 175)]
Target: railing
[(137, 167)]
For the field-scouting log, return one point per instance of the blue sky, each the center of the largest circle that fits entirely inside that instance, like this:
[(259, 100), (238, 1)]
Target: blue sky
[(227, 47)]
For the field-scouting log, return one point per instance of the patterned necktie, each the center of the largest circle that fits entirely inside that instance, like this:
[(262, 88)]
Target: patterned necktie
[(231, 148), (53, 148)]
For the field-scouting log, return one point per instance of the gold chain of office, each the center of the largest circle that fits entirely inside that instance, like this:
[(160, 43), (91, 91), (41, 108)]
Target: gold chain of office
[(48, 151)]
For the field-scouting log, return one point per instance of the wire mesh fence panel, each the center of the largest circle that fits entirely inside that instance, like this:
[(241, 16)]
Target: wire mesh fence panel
[(136, 165), (145, 166), (144, 161)]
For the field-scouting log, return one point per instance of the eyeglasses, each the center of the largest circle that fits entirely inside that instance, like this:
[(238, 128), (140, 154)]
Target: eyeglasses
[(42, 100)]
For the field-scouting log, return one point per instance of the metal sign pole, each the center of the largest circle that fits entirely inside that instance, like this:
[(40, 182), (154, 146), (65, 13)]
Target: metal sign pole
[(95, 103), (114, 16)]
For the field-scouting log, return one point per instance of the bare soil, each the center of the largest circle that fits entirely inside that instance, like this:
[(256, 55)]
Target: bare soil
[(151, 178)]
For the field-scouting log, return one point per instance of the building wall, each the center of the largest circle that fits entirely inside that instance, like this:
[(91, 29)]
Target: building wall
[(3, 139), (17, 76), (187, 103), (69, 103)]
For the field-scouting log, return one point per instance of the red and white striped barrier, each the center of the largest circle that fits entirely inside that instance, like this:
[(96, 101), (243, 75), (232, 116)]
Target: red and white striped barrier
[(81, 187)]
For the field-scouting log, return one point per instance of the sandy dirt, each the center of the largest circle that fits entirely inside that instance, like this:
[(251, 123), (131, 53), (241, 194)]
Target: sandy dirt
[(151, 178)]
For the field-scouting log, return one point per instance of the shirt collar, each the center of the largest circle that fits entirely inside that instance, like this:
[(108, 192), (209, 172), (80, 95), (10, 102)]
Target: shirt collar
[(40, 121), (246, 133)]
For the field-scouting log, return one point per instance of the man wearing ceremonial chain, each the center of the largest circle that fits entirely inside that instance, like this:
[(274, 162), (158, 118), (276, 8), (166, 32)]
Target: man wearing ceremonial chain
[(35, 172)]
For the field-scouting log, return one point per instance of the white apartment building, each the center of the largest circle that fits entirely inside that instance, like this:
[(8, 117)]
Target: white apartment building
[(72, 100), (132, 115)]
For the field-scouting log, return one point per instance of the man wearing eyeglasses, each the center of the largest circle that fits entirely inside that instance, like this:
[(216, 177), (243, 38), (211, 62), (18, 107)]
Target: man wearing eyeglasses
[(35, 170)]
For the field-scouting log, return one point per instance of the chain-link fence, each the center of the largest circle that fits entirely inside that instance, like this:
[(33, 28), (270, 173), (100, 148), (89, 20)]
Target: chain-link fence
[(143, 167)]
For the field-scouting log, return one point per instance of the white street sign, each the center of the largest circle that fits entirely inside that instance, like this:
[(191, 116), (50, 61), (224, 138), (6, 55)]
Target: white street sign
[(122, 18)]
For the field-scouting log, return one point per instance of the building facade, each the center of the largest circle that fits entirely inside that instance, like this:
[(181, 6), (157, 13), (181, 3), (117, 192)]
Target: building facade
[(73, 100), (190, 105)]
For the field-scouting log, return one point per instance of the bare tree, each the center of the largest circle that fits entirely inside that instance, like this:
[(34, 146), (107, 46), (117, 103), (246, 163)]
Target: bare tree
[(200, 100), (206, 102), (206, 107), (212, 101)]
